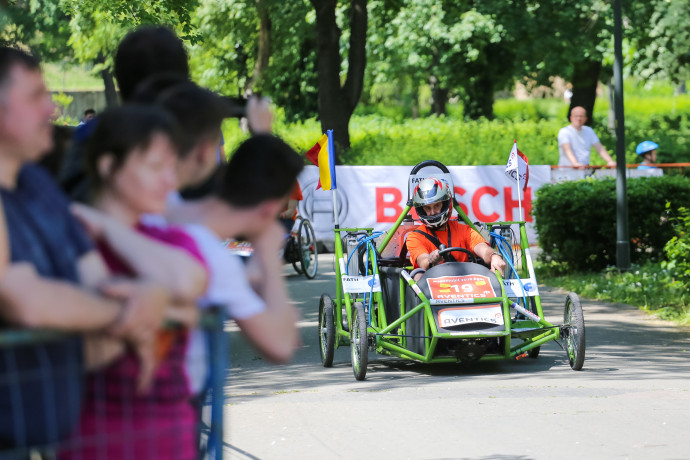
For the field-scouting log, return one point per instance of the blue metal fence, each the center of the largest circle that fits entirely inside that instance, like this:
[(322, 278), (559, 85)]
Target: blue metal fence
[(48, 402)]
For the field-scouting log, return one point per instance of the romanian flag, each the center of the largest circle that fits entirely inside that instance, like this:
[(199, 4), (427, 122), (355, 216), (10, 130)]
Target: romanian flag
[(323, 156)]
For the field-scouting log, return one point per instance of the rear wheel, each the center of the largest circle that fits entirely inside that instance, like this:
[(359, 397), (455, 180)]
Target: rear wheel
[(358, 342), (574, 320), (326, 330), (306, 244)]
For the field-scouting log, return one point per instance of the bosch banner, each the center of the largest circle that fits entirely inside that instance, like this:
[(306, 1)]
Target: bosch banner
[(374, 196)]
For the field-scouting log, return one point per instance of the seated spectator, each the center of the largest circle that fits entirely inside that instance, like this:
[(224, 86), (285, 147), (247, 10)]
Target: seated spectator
[(55, 279)]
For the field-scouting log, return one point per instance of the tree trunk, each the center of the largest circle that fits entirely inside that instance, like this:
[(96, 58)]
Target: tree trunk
[(479, 98), (336, 102), (109, 83), (439, 97), (585, 80), (264, 47), (415, 101)]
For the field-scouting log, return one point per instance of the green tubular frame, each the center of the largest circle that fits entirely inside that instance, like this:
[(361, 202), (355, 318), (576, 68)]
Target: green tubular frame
[(390, 338)]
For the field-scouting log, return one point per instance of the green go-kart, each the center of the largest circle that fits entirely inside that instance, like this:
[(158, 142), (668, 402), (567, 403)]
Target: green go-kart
[(456, 312)]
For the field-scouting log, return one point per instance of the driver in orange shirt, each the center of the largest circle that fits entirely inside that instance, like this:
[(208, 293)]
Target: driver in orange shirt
[(432, 200)]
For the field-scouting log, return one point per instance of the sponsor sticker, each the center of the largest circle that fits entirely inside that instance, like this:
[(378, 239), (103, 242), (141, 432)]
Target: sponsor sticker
[(513, 289), (361, 284), (458, 316)]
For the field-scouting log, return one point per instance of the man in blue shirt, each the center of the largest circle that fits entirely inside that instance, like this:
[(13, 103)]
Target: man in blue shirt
[(54, 274)]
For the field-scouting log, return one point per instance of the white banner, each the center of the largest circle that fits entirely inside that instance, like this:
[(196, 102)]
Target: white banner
[(374, 196)]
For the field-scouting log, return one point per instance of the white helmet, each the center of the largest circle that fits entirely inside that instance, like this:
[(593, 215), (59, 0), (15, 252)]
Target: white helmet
[(428, 191)]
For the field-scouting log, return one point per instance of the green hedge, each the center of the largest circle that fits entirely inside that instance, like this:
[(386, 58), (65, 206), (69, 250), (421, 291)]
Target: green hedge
[(380, 135), (576, 221)]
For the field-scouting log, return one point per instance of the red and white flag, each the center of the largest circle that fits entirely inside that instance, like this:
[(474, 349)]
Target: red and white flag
[(518, 167)]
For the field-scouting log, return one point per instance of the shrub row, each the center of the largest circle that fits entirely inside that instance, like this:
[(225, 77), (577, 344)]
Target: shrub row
[(381, 139), (576, 221)]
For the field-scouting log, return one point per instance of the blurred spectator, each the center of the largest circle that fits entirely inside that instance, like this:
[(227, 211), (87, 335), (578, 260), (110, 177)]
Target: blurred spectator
[(62, 143), (143, 53), (50, 256), (222, 158), (250, 193), (576, 140), (131, 160), (4, 246), (89, 114), (147, 51), (265, 316)]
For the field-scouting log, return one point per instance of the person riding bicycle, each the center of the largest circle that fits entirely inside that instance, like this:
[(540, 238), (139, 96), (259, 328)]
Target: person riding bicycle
[(432, 200)]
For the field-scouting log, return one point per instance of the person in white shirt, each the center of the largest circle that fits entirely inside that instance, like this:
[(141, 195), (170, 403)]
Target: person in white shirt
[(576, 140)]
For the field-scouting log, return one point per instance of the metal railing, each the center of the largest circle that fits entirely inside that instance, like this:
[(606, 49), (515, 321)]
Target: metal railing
[(44, 400)]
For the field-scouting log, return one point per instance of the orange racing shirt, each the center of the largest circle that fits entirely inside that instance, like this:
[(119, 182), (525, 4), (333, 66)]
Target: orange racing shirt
[(461, 235)]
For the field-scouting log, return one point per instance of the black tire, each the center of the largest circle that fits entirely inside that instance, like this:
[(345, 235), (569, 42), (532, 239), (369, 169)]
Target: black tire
[(326, 330), (574, 320), (534, 352), (359, 346), (295, 254), (306, 249)]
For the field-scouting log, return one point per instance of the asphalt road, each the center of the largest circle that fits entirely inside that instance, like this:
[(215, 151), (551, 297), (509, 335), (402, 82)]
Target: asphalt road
[(630, 401)]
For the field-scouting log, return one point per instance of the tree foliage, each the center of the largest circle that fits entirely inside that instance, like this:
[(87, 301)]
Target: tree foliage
[(319, 58), (227, 56), (40, 25), (450, 45), (661, 40)]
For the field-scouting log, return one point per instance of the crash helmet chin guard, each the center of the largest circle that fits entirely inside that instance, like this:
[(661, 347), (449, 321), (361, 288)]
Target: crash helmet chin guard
[(428, 191)]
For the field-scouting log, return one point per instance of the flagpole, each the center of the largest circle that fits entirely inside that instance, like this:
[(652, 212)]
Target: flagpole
[(517, 164), (333, 186), (334, 193), (519, 194)]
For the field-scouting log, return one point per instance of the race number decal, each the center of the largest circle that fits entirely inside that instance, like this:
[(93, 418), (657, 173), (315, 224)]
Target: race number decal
[(455, 289), (454, 317)]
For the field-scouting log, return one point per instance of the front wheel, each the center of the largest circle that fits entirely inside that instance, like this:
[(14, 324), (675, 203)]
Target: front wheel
[(326, 330), (574, 322), (534, 352), (308, 255), (358, 342)]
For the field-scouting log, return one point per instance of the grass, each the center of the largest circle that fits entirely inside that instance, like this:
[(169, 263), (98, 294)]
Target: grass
[(66, 77), (648, 287)]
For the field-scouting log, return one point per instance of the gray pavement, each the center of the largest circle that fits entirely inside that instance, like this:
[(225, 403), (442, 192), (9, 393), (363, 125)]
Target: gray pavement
[(630, 401)]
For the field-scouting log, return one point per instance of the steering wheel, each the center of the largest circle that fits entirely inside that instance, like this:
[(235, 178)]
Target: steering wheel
[(445, 253)]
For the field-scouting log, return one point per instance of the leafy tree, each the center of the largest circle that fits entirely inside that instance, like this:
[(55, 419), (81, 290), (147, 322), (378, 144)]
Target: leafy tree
[(266, 46), (42, 26), (337, 100), (452, 46), (98, 26), (660, 35)]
